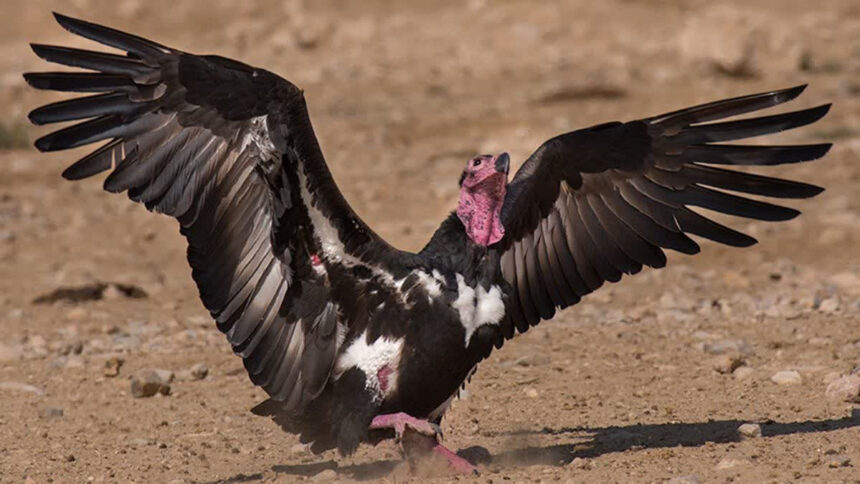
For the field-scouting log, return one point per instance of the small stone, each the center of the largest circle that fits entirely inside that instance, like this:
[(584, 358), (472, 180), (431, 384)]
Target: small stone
[(51, 412), (147, 383), (75, 362), (830, 377), (727, 363), (299, 450), (580, 463), (730, 463), (724, 346), (787, 377), (76, 314), (837, 460), (327, 475), (73, 348), (165, 375), (817, 341), (845, 389), (749, 431), (531, 392), (539, 359), (139, 442), (199, 371), (829, 305), (112, 293), (112, 366), (15, 386), (70, 458), (743, 372)]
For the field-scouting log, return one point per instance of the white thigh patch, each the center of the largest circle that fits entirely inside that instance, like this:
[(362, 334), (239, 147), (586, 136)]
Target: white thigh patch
[(370, 358)]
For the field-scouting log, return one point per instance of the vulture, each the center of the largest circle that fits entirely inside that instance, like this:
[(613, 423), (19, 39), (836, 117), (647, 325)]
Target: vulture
[(352, 339)]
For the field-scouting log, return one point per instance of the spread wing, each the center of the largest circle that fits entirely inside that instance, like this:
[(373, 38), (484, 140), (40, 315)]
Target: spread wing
[(228, 150), (591, 205)]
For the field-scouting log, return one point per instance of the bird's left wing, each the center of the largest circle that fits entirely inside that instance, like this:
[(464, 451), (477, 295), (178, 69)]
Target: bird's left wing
[(228, 150), (591, 205)]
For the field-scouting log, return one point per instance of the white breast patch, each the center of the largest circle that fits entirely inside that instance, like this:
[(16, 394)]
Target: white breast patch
[(477, 307)]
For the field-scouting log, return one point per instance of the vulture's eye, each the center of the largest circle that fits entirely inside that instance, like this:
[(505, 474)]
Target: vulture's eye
[(476, 162)]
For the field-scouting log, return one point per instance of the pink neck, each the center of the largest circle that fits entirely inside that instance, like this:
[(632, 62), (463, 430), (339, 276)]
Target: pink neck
[(480, 213)]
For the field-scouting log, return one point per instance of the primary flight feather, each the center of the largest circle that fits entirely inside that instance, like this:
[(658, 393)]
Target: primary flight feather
[(350, 337)]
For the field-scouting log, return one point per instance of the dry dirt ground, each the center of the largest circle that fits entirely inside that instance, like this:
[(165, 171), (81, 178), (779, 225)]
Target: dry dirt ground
[(624, 387)]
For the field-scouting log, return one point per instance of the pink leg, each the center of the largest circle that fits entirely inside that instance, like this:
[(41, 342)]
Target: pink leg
[(428, 435)]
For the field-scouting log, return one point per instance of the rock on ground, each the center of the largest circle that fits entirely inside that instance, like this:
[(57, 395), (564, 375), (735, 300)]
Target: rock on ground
[(787, 377), (749, 430), (147, 383), (846, 388)]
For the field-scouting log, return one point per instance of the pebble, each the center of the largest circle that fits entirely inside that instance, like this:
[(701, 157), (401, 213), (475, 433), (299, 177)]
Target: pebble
[(749, 431), (327, 475), (837, 460), (727, 363), (531, 392), (147, 383), (533, 360), (738, 346), (20, 387), (580, 463), (112, 366), (730, 463), (51, 412), (743, 372), (199, 371), (846, 388), (787, 377), (73, 348), (829, 305)]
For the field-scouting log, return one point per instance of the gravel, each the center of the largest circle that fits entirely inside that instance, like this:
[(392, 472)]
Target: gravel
[(749, 431), (838, 460), (147, 383), (787, 377), (725, 346), (112, 366), (51, 412), (845, 388), (743, 372), (15, 386), (727, 363)]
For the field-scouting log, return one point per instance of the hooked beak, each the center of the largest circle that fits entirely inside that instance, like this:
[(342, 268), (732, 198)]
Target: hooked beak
[(503, 163)]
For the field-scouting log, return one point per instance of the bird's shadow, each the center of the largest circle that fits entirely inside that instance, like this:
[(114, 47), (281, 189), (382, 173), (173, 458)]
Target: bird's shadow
[(582, 442)]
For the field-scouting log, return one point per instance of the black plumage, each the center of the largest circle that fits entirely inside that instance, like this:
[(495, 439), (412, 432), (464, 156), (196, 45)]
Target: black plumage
[(334, 323)]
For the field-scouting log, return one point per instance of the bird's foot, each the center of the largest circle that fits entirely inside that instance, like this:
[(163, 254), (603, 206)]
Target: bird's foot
[(419, 437), (400, 422)]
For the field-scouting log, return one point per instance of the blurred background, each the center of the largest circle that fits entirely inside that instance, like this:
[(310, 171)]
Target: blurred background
[(401, 95)]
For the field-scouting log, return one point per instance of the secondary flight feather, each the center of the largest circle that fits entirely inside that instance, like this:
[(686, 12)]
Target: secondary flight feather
[(353, 339)]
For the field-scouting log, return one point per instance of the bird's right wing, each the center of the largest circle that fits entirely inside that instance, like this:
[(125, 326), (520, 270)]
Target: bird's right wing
[(228, 150)]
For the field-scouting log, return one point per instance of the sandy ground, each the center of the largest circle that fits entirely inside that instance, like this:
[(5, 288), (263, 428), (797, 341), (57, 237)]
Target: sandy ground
[(625, 387)]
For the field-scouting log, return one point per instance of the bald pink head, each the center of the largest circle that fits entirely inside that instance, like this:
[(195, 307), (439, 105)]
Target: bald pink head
[(482, 192)]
